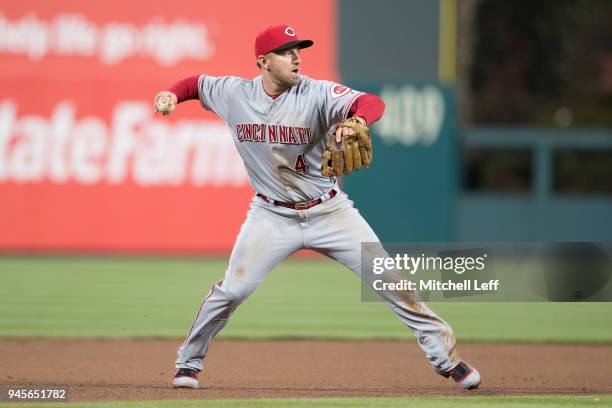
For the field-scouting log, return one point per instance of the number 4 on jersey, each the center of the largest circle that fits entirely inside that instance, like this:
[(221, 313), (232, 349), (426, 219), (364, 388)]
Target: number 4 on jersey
[(300, 164)]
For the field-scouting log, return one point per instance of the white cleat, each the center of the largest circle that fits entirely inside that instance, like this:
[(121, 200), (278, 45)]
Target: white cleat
[(186, 378), (464, 376)]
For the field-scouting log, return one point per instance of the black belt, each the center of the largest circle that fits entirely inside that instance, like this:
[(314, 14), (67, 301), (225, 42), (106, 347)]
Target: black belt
[(302, 205)]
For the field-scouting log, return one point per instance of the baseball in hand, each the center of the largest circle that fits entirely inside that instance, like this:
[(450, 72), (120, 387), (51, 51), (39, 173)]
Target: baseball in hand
[(165, 102)]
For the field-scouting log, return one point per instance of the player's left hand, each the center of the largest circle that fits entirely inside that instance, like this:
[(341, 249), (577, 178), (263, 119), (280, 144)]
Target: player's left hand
[(343, 130), (348, 149)]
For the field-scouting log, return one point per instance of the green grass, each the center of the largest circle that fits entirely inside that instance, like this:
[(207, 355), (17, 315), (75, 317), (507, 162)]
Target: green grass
[(92, 297), (420, 402)]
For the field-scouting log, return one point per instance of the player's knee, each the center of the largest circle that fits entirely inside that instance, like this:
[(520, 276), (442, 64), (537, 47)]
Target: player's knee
[(237, 291)]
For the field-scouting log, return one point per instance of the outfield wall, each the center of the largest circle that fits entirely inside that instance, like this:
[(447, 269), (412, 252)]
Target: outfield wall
[(84, 163), (85, 166)]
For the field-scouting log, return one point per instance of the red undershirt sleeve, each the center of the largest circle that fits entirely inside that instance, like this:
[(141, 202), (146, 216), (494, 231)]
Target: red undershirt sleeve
[(368, 106), (186, 89)]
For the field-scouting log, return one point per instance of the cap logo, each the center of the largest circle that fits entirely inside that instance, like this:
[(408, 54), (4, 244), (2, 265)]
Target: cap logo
[(290, 32)]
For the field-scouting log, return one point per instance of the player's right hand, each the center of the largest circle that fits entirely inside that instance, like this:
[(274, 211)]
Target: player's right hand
[(164, 102)]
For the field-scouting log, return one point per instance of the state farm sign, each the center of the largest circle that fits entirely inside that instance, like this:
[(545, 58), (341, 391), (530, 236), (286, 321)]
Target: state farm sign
[(85, 165), (131, 147)]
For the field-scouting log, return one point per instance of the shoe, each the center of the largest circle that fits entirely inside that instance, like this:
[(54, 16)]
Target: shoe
[(465, 376), (186, 378)]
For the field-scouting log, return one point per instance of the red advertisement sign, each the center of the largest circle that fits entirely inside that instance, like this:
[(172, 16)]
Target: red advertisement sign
[(85, 165)]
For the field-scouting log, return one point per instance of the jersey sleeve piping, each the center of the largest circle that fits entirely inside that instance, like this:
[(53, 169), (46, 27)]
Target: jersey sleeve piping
[(200, 85), (347, 108)]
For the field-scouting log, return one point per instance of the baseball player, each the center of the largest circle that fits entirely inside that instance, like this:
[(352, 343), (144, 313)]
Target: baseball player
[(295, 134)]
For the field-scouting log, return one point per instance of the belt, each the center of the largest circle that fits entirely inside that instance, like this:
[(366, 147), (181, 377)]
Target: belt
[(302, 205)]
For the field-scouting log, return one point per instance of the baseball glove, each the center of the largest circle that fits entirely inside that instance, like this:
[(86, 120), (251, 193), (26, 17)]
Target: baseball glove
[(353, 151)]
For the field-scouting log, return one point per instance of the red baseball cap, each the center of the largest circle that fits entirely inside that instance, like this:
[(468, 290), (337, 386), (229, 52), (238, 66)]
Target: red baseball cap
[(278, 38)]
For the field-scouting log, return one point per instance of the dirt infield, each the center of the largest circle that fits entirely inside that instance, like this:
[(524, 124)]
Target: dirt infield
[(142, 369)]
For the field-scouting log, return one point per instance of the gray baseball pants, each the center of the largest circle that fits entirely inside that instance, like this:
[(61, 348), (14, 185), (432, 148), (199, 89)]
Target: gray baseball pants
[(268, 236)]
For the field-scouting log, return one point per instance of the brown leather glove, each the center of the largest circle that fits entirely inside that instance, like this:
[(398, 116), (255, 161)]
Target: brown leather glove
[(353, 151)]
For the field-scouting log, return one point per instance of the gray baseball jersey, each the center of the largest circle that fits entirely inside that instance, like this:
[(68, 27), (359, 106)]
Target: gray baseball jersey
[(280, 139)]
